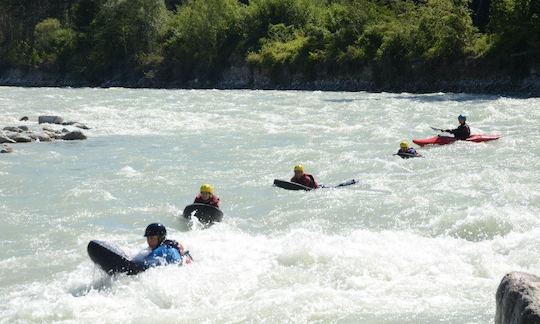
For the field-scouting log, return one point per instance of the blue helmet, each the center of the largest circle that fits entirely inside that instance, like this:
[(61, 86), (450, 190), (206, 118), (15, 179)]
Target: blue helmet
[(462, 117)]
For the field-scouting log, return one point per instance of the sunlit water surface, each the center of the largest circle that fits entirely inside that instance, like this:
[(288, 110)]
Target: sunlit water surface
[(416, 241)]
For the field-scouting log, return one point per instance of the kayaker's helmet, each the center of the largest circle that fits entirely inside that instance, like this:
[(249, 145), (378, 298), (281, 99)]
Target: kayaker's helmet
[(155, 229), (299, 167), (462, 117), (207, 188), (404, 145)]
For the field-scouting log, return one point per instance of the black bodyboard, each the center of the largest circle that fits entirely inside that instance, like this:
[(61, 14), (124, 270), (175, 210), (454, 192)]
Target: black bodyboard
[(111, 259), (205, 213), (290, 185)]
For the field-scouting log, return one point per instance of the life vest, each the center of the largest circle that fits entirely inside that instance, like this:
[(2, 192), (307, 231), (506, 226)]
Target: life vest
[(306, 180), (214, 201), (186, 257)]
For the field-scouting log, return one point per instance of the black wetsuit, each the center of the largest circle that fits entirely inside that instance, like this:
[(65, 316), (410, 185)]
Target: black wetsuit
[(461, 133)]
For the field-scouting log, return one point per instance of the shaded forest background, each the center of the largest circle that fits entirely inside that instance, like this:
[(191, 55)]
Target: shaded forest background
[(199, 42)]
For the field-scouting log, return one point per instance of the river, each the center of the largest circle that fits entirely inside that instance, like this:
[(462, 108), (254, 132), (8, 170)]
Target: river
[(416, 241)]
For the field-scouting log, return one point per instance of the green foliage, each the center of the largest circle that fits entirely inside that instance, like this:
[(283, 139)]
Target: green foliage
[(52, 43), (202, 37), (516, 25), (183, 40), (125, 32)]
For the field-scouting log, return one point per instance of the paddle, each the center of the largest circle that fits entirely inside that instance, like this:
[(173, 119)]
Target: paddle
[(342, 184), (438, 129)]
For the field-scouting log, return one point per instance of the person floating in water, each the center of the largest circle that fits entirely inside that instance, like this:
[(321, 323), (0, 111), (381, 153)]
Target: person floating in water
[(405, 151), (207, 196), (463, 131), (163, 251), (303, 178)]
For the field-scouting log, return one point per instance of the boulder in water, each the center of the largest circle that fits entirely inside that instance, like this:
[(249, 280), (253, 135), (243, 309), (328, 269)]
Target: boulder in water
[(24, 119), (40, 136), (13, 129), (50, 119), (74, 135), (518, 299), (81, 126), (21, 138), (53, 134), (5, 138)]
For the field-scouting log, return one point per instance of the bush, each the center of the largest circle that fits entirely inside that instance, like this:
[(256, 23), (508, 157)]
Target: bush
[(126, 31), (53, 44), (202, 38)]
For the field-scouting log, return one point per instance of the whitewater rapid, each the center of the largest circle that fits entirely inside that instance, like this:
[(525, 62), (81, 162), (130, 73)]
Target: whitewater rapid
[(416, 241)]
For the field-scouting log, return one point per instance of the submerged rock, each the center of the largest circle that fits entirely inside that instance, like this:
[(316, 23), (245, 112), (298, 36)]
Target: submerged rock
[(74, 135), (81, 126), (5, 149), (518, 299), (12, 129), (5, 138), (40, 136), (23, 118), (21, 138)]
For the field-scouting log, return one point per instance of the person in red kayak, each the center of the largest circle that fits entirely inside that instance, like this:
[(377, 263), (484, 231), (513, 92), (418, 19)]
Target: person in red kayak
[(303, 178), (463, 131), (206, 196)]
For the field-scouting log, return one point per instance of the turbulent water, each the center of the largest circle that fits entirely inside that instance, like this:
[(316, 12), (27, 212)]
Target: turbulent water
[(416, 241)]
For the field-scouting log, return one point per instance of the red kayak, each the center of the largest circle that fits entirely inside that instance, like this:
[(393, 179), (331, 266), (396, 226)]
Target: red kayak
[(442, 140)]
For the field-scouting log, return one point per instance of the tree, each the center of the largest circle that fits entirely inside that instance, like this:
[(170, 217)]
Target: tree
[(53, 43)]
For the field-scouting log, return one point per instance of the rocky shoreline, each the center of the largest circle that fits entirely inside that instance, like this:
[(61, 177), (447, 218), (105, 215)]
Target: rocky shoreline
[(245, 78), (30, 133)]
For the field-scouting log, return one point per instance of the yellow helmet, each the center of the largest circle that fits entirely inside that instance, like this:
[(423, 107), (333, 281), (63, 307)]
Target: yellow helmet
[(299, 167), (404, 145), (207, 188)]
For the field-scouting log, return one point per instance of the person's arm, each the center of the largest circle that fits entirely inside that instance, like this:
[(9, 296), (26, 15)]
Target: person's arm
[(173, 256), (216, 202), (313, 183), (152, 259)]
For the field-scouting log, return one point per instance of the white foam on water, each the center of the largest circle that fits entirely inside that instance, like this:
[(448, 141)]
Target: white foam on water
[(415, 241)]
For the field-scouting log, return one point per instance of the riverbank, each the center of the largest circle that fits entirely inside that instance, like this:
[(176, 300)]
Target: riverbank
[(245, 78)]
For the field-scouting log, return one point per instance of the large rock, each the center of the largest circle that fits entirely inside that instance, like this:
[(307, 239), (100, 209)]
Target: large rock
[(21, 138), (40, 136), (5, 149), (4, 138), (14, 129), (52, 133), (74, 135), (50, 119), (518, 299)]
